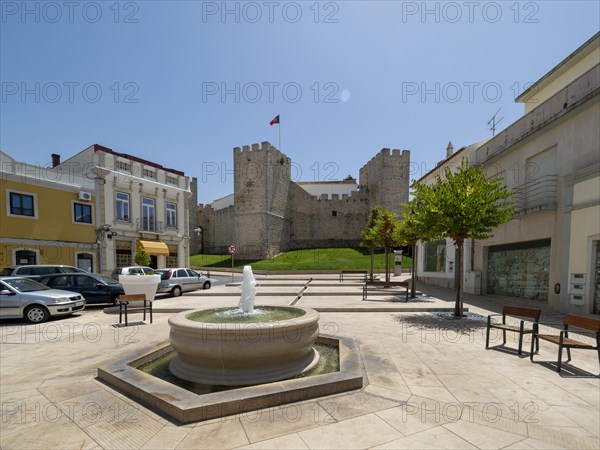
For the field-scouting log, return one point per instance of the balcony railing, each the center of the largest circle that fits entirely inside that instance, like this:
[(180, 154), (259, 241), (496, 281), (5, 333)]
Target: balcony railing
[(150, 226), (535, 195)]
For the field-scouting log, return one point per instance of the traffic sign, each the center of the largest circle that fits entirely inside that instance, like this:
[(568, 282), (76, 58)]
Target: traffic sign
[(232, 249)]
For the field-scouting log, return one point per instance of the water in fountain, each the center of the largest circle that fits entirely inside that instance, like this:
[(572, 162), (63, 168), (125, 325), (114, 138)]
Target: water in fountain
[(248, 288)]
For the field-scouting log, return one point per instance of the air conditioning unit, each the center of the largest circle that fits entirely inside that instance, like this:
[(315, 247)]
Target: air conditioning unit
[(86, 196)]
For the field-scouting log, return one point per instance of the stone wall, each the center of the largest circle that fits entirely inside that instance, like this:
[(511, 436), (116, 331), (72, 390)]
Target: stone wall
[(217, 229), (272, 214), (261, 200), (385, 178), (322, 222)]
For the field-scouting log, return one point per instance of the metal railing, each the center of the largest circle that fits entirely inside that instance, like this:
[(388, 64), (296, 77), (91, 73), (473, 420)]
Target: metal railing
[(151, 226), (536, 195)]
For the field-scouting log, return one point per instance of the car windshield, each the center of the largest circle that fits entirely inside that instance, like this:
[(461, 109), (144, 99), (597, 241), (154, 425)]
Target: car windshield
[(25, 285), (105, 279)]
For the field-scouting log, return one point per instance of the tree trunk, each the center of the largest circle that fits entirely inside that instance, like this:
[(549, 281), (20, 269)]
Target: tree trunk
[(413, 277), (387, 264), (458, 306), (372, 257)]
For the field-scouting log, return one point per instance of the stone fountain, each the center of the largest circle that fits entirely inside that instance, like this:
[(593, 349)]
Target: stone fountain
[(243, 346), (228, 361)]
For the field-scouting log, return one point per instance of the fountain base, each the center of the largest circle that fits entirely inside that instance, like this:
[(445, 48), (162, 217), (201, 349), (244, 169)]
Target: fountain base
[(184, 406), (237, 354)]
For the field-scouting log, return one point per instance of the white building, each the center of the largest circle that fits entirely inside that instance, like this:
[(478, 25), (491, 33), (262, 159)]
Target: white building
[(550, 159), (140, 204)]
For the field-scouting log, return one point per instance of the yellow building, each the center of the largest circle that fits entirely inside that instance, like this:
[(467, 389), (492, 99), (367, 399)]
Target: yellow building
[(47, 216)]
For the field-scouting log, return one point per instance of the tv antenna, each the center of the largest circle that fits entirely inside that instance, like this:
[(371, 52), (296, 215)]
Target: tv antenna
[(495, 122)]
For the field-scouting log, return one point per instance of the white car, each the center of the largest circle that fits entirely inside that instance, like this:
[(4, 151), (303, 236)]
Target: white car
[(26, 298), (133, 270)]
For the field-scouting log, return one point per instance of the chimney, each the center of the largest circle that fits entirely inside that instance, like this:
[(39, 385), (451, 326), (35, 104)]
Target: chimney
[(449, 150), (55, 160)]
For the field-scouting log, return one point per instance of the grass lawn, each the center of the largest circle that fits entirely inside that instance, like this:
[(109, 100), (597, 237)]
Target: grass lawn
[(313, 259)]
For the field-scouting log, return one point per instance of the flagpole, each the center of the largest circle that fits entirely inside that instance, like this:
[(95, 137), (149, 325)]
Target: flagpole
[(279, 134)]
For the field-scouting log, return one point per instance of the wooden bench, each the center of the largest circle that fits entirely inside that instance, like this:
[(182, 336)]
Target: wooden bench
[(514, 311), (589, 324), (384, 284), (124, 309), (363, 274)]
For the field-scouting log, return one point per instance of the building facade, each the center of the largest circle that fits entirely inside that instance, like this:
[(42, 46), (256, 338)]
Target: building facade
[(268, 213), (47, 216), (550, 160), (139, 203)]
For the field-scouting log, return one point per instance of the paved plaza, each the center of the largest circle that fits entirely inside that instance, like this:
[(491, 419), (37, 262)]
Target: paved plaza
[(429, 382)]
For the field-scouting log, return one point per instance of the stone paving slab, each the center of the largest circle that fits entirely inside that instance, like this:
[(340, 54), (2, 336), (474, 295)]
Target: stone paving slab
[(429, 383)]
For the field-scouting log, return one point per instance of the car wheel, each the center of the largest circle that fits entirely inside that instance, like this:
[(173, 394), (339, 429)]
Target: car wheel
[(36, 314), (176, 291), (206, 285)]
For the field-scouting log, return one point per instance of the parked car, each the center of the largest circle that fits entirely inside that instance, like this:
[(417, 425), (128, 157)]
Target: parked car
[(94, 287), (133, 270), (35, 270), (181, 279), (34, 301)]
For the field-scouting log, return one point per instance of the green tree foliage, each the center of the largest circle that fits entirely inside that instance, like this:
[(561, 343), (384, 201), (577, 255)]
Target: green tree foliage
[(461, 205), (142, 257), (382, 231)]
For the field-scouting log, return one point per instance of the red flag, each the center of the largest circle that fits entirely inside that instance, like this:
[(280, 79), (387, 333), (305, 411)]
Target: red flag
[(274, 121)]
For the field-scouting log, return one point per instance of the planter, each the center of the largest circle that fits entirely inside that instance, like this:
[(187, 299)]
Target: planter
[(140, 284)]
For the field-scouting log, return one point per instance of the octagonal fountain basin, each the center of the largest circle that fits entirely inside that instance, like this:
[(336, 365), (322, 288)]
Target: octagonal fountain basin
[(224, 346)]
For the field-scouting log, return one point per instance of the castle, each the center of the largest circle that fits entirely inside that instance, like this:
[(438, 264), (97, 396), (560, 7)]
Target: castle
[(268, 213)]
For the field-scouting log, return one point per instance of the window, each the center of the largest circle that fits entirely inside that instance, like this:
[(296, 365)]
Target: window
[(122, 207), (181, 273), (172, 180), (435, 256), (123, 253), (21, 204), (123, 166), (172, 258), (149, 173), (519, 270), (333, 213), (82, 213), (148, 214), (25, 257), (85, 261), (171, 215)]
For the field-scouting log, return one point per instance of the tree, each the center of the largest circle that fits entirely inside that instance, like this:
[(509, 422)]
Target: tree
[(368, 237), (142, 257), (383, 233), (412, 231), (460, 205)]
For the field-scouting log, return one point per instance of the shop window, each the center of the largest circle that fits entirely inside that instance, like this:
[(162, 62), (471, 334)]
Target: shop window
[(519, 270)]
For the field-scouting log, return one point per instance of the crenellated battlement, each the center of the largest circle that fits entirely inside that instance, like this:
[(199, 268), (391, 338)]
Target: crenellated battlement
[(343, 198)]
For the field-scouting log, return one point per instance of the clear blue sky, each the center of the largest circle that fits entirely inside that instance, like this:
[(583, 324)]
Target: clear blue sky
[(147, 78)]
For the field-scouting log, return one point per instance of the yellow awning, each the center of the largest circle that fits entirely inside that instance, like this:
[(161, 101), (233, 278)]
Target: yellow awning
[(154, 247)]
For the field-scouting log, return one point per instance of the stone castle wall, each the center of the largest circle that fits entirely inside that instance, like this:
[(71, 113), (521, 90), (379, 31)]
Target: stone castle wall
[(322, 222), (272, 214), (261, 200), (386, 178)]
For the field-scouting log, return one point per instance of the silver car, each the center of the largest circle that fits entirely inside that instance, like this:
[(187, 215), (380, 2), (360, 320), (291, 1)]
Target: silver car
[(26, 298), (181, 279)]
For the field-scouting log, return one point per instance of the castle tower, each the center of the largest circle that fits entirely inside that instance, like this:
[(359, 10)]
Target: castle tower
[(385, 178), (261, 197)]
